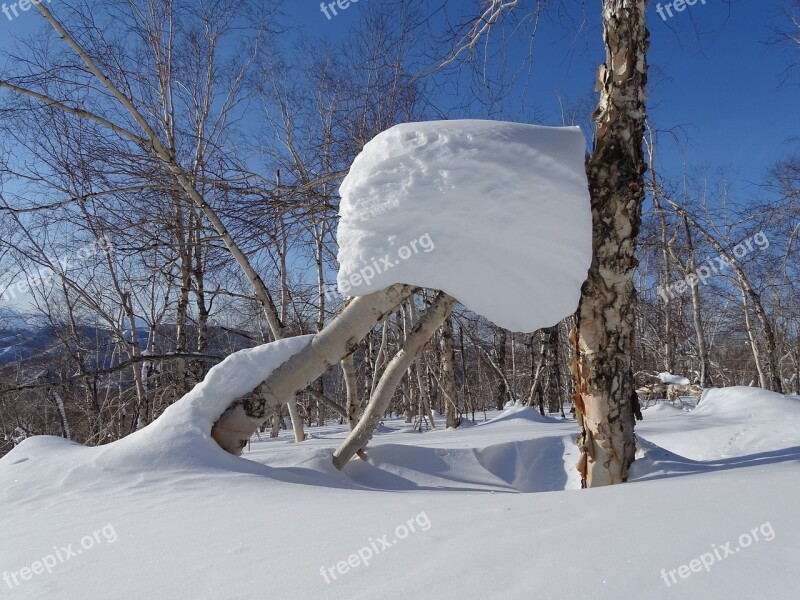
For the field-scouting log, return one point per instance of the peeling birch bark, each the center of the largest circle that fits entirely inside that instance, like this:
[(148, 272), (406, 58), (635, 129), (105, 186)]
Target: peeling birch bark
[(606, 401)]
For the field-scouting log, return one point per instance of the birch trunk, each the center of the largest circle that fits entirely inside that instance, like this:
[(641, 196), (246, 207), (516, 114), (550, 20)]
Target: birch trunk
[(555, 401), (503, 389), (340, 338), (666, 254), (425, 408), (181, 318), (420, 335), (772, 380), (62, 415), (605, 401), (535, 396), (697, 318), (203, 312), (751, 336), (448, 370), (351, 387)]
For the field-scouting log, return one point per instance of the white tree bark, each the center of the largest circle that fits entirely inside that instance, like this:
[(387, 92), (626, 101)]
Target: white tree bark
[(62, 414), (340, 338), (424, 399), (606, 400), (351, 387), (420, 335), (448, 374), (697, 319)]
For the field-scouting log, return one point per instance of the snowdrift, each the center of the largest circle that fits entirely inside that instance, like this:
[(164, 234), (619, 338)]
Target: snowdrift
[(180, 438), (736, 402)]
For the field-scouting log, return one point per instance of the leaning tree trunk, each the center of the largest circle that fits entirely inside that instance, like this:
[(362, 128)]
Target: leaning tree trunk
[(606, 400), (340, 338), (421, 333)]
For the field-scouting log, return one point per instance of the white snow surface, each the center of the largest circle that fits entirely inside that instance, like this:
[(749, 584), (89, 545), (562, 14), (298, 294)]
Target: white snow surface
[(496, 214), (495, 508)]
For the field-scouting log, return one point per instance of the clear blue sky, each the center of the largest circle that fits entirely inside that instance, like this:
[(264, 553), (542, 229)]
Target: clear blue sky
[(725, 82), (714, 72)]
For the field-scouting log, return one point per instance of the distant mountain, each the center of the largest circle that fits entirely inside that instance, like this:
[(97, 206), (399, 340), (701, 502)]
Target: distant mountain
[(25, 336), (23, 343), (29, 338), (21, 337), (13, 319)]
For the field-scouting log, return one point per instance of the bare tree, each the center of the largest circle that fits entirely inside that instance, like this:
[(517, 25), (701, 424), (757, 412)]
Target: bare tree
[(606, 400)]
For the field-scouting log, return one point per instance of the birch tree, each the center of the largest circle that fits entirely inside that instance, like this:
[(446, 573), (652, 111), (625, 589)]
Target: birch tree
[(606, 402)]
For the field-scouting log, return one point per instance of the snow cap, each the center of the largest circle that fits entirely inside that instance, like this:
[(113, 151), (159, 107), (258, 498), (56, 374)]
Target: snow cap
[(496, 214)]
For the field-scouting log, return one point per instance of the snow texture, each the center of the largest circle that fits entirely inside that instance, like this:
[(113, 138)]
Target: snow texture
[(496, 214), (240, 528)]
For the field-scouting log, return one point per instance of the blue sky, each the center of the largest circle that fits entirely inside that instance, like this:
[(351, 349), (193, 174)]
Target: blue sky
[(714, 74), (726, 84)]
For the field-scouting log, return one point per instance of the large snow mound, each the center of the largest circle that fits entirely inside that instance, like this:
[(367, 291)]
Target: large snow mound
[(496, 214), (741, 401), (728, 423), (180, 438), (522, 413)]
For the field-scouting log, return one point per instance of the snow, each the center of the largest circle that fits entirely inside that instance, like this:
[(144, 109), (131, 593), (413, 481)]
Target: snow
[(671, 379), (731, 422), (178, 439), (495, 506), (239, 374), (496, 214)]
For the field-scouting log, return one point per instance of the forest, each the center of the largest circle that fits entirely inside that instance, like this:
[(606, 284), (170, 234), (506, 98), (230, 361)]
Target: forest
[(441, 298), (122, 289)]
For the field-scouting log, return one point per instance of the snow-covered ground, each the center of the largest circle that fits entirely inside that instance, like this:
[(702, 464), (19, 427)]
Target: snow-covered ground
[(485, 511)]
